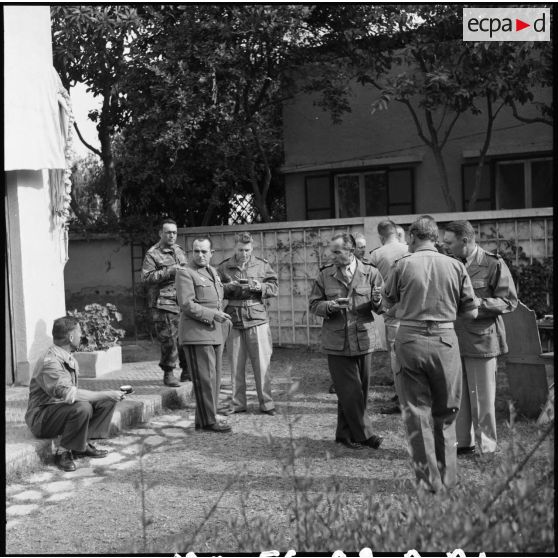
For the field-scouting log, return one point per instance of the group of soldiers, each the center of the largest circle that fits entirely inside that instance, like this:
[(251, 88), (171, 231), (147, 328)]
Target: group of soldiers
[(442, 306), (441, 303)]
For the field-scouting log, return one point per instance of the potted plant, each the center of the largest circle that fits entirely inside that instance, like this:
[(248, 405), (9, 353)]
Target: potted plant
[(100, 351)]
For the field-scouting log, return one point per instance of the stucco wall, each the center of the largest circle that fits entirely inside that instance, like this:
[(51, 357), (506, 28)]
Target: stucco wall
[(310, 138), (36, 261)]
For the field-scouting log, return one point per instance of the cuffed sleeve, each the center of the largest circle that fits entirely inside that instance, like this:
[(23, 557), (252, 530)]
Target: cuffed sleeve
[(318, 303), (150, 274), (56, 382), (270, 285)]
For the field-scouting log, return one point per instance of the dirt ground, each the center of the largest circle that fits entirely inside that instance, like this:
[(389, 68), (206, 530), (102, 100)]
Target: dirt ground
[(98, 508)]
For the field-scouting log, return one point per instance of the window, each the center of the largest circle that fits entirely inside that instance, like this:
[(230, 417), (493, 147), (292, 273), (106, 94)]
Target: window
[(374, 193), (510, 184), (523, 183), (318, 197)]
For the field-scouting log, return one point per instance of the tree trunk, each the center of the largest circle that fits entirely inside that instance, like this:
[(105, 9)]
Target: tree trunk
[(111, 197), (443, 172)]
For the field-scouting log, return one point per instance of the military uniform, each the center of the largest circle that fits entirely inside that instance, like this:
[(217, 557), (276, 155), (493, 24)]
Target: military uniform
[(199, 293), (52, 408), (480, 342), (383, 258), (349, 337), (429, 289), (162, 301), (250, 336)]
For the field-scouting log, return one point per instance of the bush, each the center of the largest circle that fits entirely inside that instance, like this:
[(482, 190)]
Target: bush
[(96, 321)]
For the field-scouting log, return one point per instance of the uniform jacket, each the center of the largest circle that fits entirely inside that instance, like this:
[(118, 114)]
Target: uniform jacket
[(200, 296), (429, 286), (54, 381), (251, 312), (352, 331), (493, 285), (155, 273)]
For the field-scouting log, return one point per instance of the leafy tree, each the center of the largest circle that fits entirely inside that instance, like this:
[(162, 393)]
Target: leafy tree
[(89, 46)]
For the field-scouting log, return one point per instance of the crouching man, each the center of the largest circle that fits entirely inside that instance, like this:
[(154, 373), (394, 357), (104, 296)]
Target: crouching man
[(56, 405)]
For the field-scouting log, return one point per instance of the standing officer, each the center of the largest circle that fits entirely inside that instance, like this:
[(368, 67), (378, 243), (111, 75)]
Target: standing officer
[(383, 258), (248, 280), (430, 290), (480, 340), (360, 249), (158, 271), (344, 295), (202, 331)]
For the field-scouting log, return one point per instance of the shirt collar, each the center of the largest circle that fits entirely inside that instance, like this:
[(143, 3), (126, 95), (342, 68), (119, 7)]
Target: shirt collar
[(64, 355), (473, 255), (352, 266)]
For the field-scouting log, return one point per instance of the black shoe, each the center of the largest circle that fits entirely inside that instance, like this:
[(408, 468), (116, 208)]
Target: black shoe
[(217, 427), (65, 461), (332, 389), (349, 444), (373, 442), (185, 376), (466, 450), (91, 451), (170, 380), (269, 412)]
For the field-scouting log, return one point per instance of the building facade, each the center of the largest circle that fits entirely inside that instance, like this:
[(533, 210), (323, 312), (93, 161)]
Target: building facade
[(376, 164)]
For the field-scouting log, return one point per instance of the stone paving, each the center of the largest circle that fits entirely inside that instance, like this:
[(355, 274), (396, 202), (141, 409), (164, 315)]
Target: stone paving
[(52, 485)]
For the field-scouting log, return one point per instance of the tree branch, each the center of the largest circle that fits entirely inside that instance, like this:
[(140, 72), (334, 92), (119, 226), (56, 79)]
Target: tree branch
[(416, 120), (450, 128), (527, 120), (96, 151)]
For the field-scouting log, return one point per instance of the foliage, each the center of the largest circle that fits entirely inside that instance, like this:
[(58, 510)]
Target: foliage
[(90, 44), (426, 67), (98, 332)]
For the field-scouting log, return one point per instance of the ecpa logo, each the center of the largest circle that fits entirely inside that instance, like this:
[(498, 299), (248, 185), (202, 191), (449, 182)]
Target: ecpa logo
[(506, 24)]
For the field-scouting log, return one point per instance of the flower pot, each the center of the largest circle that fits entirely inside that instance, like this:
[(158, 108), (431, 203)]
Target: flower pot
[(98, 363)]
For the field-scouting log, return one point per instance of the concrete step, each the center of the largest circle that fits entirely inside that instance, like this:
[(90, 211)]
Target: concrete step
[(25, 453)]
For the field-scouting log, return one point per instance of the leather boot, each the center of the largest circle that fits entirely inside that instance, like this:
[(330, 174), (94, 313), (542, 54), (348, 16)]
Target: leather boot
[(170, 380)]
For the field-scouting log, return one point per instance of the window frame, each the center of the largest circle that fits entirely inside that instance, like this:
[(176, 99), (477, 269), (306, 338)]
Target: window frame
[(331, 207), (360, 172)]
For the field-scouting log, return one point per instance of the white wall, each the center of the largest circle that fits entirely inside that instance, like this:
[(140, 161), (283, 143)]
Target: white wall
[(36, 263)]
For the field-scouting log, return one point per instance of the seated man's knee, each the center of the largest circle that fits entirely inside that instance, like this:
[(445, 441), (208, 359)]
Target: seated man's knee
[(82, 408)]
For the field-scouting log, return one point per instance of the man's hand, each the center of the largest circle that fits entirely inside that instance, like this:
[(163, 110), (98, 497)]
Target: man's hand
[(256, 286), (114, 395), (376, 294), (221, 317), (333, 307), (172, 269)]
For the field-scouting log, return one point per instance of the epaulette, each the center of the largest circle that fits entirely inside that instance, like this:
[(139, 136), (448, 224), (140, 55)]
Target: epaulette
[(374, 249), (494, 255), (326, 266), (366, 262), (261, 259), (225, 260), (402, 257)]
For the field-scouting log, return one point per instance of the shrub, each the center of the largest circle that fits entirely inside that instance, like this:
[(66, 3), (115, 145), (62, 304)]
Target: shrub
[(98, 332)]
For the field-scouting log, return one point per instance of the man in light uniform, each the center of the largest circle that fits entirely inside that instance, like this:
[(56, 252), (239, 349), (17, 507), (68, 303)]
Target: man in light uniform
[(203, 331), (430, 290), (344, 295), (480, 340), (383, 258), (248, 281), (158, 272), (360, 249)]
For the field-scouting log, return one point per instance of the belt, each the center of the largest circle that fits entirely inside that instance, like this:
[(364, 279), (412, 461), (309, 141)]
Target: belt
[(246, 302), (427, 323)]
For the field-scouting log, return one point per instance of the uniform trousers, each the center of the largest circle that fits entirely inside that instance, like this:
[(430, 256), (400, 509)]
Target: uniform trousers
[(476, 421), (350, 375), (392, 325), (205, 364), (166, 329), (254, 342), (429, 387), (76, 422)]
